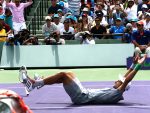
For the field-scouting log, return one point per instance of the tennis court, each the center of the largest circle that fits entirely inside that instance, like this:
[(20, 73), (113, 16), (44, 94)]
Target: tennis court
[(53, 99)]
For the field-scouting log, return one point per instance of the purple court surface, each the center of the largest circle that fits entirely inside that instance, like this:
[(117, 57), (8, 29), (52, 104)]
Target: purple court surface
[(53, 99)]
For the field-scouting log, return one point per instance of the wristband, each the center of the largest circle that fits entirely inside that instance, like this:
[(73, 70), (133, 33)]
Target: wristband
[(137, 67)]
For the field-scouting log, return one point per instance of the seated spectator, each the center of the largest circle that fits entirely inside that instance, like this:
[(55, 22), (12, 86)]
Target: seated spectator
[(55, 39), (8, 18), (5, 26), (119, 13), (49, 27), (98, 29), (101, 16), (57, 22), (12, 102), (131, 10), (147, 21), (2, 33), (85, 37), (11, 40), (31, 41), (128, 33), (141, 14), (67, 32), (117, 29), (141, 39), (61, 15), (133, 22), (53, 8), (146, 2)]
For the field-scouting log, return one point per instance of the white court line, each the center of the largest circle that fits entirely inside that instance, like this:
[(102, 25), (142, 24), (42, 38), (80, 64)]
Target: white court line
[(88, 107), (83, 85)]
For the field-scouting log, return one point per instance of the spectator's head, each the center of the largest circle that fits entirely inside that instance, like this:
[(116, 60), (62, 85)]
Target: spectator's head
[(130, 3), (128, 28), (147, 15), (140, 25), (66, 23), (53, 2), (85, 17), (56, 19), (8, 12), (97, 20), (11, 102), (118, 21), (144, 8), (17, 2), (60, 12), (99, 14), (48, 19), (85, 10)]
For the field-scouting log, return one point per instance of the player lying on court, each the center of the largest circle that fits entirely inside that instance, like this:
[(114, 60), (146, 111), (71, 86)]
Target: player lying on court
[(81, 95)]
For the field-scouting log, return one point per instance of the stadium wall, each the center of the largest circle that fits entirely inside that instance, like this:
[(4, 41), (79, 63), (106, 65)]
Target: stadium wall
[(65, 55)]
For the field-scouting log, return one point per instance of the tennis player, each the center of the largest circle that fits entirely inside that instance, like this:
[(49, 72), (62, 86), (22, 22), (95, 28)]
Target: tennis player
[(79, 94)]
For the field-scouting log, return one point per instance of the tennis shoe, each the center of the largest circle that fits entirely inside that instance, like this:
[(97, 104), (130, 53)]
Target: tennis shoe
[(23, 77), (37, 77)]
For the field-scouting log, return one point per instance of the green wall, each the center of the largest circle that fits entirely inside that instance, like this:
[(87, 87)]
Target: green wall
[(66, 55)]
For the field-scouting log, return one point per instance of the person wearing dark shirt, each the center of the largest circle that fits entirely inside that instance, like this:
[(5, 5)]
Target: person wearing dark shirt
[(53, 8), (141, 39), (98, 29)]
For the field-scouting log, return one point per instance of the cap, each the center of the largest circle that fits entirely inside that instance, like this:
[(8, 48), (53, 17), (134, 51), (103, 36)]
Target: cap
[(61, 3), (48, 18), (85, 9), (144, 6), (129, 25), (118, 19), (10, 36), (59, 10), (99, 13), (140, 22), (2, 17), (134, 20), (56, 16)]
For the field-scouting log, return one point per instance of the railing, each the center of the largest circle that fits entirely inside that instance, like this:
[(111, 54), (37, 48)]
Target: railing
[(36, 19)]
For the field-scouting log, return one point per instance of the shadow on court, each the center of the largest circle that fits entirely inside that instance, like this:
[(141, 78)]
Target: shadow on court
[(53, 99)]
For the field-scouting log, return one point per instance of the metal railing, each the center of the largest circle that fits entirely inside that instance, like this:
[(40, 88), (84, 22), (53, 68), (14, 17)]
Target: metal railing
[(37, 17)]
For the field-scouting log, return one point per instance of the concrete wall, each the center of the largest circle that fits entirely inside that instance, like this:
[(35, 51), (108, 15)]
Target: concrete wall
[(66, 55)]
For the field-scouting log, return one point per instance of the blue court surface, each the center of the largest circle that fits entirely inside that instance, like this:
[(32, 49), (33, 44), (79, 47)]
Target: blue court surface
[(53, 99)]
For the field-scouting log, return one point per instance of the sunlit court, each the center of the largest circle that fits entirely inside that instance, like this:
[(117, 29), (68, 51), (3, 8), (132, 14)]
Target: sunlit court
[(53, 98)]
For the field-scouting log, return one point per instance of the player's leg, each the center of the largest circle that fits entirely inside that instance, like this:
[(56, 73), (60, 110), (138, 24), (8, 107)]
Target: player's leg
[(131, 75)]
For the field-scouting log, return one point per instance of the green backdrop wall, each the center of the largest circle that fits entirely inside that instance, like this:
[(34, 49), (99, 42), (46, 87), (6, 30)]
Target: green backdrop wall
[(66, 55)]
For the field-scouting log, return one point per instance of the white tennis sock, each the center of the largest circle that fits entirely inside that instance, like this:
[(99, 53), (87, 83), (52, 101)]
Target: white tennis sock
[(39, 83)]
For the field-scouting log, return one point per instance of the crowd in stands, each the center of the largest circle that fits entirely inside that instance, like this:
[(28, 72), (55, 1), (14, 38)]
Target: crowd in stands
[(85, 20)]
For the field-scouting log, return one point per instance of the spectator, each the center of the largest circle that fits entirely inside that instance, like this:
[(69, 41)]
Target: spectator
[(74, 6), (141, 14), (134, 25), (128, 33), (85, 37), (56, 20), (67, 31), (5, 26), (8, 18), (2, 33), (117, 29), (17, 9), (31, 41), (118, 14), (98, 29), (48, 28), (53, 8), (13, 102), (141, 39), (147, 21), (55, 39), (86, 11), (61, 15), (1, 10), (131, 10), (11, 40), (146, 2), (79, 26)]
